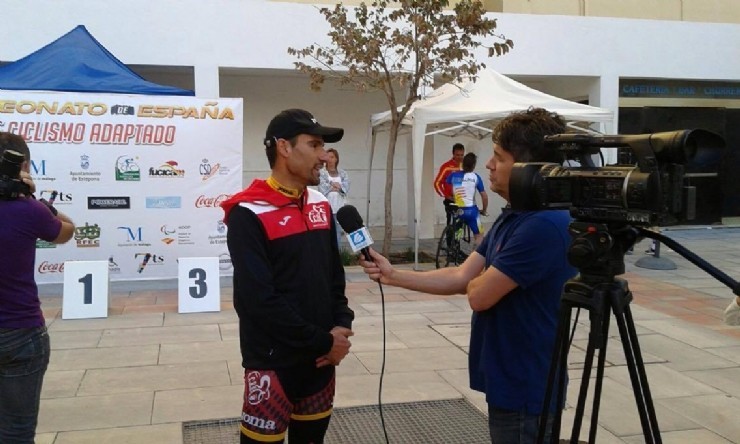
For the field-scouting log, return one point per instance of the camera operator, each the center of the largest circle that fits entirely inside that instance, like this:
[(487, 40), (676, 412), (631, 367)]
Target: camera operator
[(24, 342), (513, 281)]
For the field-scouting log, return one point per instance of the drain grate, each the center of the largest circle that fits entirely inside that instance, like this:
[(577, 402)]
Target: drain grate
[(447, 421)]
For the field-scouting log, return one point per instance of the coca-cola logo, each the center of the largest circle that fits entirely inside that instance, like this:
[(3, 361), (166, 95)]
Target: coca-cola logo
[(51, 267), (210, 202)]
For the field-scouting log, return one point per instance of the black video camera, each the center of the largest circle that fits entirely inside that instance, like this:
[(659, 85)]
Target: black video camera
[(646, 187), (11, 185)]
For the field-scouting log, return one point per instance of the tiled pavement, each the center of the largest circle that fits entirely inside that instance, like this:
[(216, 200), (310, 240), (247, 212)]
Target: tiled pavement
[(135, 376)]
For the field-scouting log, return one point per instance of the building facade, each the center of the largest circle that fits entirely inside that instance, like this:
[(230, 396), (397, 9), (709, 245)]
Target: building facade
[(638, 58)]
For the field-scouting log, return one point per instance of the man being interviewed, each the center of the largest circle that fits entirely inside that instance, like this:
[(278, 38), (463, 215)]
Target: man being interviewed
[(294, 320)]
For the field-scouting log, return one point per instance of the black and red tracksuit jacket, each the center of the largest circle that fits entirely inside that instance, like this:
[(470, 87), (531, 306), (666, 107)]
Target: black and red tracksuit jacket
[(288, 277)]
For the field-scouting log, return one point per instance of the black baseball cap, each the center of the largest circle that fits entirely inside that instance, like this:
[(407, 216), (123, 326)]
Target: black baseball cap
[(292, 122)]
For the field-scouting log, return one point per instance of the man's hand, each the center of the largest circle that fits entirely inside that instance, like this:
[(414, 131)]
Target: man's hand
[(379, 270), (339, 348)]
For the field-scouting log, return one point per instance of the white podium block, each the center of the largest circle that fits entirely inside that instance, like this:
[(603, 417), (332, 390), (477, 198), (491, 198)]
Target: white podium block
[(86, 291), (198, 285)]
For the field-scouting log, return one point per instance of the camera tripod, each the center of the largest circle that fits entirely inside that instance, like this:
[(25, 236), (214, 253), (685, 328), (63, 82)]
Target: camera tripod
[(598, 252)]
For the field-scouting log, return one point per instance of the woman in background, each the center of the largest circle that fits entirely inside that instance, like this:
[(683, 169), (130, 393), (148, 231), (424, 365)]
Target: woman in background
[(334, 184)]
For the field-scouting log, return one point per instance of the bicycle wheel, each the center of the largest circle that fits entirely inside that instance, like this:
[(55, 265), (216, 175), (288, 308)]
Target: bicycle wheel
[(442, 258)]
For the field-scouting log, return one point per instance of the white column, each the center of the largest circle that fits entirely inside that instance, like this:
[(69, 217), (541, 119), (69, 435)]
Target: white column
[(605, 94), (206, 81)]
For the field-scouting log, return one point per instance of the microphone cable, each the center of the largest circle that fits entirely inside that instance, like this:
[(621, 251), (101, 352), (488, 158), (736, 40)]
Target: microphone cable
[(382, 365)]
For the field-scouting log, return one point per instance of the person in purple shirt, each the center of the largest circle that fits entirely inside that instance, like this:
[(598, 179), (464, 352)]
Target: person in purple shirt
[(514, 282), (24, 342)]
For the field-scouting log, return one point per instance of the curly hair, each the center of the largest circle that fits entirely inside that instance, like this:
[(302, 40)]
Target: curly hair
[(523, 134)]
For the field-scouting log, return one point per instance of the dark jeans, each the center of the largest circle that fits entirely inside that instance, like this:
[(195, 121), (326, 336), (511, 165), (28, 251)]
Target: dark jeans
[(24, 356), (512, 427)]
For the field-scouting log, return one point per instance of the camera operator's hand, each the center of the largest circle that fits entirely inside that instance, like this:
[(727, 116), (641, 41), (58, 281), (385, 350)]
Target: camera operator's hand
[(26, 178)]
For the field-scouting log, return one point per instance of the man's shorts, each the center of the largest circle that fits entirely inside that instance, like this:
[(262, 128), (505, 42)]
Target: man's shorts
[(471, 217), (272, 398)]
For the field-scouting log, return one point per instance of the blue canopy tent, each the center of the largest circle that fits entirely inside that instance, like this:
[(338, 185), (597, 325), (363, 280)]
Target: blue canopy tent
[(77, 62)]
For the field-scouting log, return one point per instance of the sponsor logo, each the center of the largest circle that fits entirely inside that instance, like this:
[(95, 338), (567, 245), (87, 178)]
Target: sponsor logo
[(208, 170), (182, 234), (167, 170), (122, 110), (163, 202), (40, 243), (38, 171), (259, 388), (133, 237), (210, 202), (108, 202), (87, 236), (224, 262), (84, 175), (259, 423), (127, 169), (220, 237), (148, 259), (113, 266), (56, 197), (285, 220), (317, 215), (51, 267), (38, 167)]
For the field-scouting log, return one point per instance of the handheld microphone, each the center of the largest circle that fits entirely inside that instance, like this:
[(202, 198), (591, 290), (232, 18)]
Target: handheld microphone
[(357, 235), (359, 239)]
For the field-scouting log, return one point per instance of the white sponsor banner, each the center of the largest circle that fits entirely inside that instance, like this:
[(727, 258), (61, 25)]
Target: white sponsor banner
[(142, 177)]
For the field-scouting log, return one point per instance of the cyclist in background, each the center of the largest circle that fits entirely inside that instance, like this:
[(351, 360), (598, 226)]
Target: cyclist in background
[(464, 185), (441, 186)]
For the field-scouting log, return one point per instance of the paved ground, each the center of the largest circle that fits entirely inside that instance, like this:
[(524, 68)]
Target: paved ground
[(135, 376)]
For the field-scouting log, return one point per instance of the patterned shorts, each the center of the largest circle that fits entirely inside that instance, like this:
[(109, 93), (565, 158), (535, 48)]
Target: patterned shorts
[(273, 398)]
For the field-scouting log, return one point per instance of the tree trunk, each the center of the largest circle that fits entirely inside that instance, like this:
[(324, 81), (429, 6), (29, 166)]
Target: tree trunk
[(388, 232)]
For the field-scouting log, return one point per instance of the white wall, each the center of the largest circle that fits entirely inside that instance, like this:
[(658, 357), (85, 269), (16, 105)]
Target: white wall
[(252, 35)]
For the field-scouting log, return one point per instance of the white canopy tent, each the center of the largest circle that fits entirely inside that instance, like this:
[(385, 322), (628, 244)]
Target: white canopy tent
[(471, 108)]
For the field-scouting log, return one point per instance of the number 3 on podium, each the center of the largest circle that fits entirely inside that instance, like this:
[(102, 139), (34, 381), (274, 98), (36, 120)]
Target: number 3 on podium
[(198, 285)]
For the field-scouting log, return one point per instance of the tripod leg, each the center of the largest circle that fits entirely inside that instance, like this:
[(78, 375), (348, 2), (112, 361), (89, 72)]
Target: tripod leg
[(638, 376), (599, 318), (599, 374)]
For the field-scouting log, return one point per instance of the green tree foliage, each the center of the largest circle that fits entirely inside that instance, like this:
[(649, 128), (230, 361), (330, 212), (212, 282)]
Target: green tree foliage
[(397, 47)]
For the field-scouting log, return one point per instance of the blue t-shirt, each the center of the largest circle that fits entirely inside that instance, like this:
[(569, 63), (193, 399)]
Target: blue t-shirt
[(22, 221), (511, 343)]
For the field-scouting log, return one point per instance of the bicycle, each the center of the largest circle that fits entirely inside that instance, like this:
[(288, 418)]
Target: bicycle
[(455, 243)]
